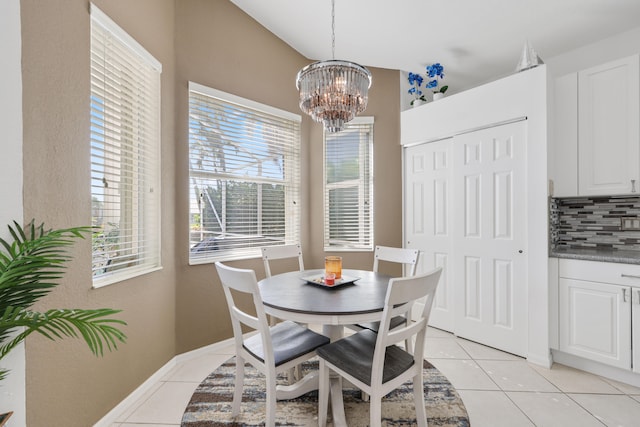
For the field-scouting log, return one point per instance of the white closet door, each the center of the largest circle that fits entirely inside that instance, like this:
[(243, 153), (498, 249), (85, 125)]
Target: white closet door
[(490, 237), (428, 220)]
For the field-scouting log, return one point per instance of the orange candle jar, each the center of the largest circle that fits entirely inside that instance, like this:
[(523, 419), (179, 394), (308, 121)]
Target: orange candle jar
[(333, 264)]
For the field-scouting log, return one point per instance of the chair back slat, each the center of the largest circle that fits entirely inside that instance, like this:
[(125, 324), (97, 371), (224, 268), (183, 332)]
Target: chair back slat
[(407, 257), (244, 281), (403, 291), (271, 253)]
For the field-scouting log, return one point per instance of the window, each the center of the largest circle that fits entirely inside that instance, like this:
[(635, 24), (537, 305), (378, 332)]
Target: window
[(348, 189), (244, 173), (125, 142)]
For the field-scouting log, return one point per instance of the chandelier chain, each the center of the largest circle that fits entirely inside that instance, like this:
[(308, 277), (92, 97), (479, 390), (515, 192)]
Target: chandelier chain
[(333, 92), (333, 29)]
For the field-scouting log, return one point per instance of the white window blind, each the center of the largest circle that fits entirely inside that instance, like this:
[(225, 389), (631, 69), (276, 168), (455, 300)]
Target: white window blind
[(244, 172), (348, 189), (125, 141)]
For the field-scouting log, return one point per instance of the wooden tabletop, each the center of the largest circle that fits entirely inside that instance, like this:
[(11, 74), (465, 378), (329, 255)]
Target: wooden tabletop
[(290, 292)]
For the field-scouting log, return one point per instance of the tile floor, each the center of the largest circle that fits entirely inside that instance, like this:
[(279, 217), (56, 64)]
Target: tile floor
[(498, 389)]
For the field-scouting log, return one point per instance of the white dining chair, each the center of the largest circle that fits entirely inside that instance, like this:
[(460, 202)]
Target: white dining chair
[(406, 256), (273, 349), (409, 260), (372, 361), (272, 253)]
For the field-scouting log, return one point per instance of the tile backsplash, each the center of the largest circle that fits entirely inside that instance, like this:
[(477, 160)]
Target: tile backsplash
[(593, 222)]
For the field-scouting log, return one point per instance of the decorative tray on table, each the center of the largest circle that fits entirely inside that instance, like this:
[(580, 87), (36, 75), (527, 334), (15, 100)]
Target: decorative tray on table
[(319, 280)]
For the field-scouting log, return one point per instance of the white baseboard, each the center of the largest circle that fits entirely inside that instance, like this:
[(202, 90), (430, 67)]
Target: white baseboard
[(541, 360), (597, 368), (112, 416)]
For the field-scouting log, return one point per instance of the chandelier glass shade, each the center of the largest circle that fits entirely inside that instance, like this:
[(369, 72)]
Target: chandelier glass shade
[(333, 92)]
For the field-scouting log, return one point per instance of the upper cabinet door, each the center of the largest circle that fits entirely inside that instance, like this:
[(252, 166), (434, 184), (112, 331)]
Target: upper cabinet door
[(608, 128), (564, 159)]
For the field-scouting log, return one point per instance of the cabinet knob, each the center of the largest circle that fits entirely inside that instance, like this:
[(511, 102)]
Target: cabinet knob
[(624, 295), (633, 185)]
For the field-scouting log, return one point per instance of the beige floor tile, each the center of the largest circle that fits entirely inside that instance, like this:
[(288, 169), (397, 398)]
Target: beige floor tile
[(443, 348), (482, 352), (492, 409), (197, 369), (131, 409), (516, 376), (147, 425), (165, 406), (553, 410), (625, 388), (571, 380), (612, 410), (464, 374), (438, 333)]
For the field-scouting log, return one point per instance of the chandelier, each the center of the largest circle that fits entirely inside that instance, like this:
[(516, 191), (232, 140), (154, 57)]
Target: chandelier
[(333, 92)]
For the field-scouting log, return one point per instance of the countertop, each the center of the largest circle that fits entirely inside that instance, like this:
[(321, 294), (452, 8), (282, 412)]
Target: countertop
[(593, 254)]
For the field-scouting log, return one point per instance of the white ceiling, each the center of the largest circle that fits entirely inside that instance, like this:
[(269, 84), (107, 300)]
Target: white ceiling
[(475, 40)]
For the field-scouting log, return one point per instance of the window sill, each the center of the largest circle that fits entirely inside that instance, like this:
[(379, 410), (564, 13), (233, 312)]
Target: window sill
[(122, 276)]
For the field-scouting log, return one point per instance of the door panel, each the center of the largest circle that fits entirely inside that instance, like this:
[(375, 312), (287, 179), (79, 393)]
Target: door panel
[(490, 237), (428, 220)]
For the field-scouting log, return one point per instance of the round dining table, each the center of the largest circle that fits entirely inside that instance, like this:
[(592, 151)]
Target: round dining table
[(302, 297)]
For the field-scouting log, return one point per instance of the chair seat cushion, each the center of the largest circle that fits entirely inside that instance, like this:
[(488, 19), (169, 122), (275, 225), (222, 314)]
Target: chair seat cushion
[(354, 355), (375, 326), (289, 341)]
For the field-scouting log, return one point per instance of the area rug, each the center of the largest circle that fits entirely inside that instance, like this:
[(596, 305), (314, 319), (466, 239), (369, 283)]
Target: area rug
[(210, 405)]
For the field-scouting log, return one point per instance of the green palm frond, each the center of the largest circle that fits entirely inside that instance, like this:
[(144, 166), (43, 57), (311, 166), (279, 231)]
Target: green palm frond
[(29, 269), (95, 327), (31, 264)]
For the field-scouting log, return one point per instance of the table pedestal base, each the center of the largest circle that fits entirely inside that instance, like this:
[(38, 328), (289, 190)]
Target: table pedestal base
[(310, 382)]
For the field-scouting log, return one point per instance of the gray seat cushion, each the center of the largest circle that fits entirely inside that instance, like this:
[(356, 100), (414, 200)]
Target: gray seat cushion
[(375, 326), (289, 340), (354, 354)]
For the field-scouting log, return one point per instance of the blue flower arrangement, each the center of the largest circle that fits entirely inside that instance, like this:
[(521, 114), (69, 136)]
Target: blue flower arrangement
[(415, 80), (435, 71)]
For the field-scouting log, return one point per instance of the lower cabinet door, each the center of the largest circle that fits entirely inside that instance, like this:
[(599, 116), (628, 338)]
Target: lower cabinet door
[(635, 328), (595, 321)]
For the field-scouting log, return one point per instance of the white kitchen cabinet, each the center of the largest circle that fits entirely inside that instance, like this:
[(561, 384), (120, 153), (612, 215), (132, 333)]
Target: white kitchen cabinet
[(596, 116), (595, 321), (608, 128), (599, 312), (565, 136)]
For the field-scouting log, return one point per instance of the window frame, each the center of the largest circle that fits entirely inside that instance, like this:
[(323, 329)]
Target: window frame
[(360, 246), (292, 215), (140, 167)]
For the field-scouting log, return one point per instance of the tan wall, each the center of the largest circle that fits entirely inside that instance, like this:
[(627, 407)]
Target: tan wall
[(219, 46), (384, 107), (66, 384), (182, 307)]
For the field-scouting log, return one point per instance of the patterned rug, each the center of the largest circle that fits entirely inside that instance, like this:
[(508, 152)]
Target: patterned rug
[(210, 405)]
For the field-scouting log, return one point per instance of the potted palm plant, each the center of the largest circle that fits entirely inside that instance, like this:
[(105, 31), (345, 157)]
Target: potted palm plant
[(31, 262)]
